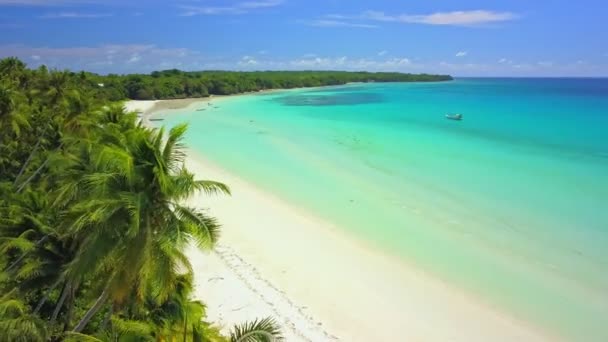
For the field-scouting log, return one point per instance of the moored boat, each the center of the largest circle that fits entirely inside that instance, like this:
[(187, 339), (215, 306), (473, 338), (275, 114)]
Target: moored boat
[(453, 116)]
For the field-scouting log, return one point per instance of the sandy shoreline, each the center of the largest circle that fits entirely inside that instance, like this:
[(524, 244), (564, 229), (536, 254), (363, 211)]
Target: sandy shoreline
[(149, 107), (276, 260)]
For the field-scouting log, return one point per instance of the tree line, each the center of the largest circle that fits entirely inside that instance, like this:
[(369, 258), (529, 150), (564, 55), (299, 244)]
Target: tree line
[(93, 225), (175, 84)]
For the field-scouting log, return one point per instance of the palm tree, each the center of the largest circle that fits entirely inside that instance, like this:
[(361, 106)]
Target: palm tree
[(12, 70), (75, 123), (133, 226), (17, 323), (14, 126), (15, 120), (92, 219), (264, 330), (178, 318)]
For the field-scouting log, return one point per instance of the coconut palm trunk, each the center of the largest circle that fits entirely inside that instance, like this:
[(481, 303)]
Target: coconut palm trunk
[(46, 295), (64, 294), (27, 181), (27, 162), (93, 310)]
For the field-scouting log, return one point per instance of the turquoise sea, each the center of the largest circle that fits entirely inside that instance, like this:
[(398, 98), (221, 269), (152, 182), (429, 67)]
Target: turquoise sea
[(510, 204)]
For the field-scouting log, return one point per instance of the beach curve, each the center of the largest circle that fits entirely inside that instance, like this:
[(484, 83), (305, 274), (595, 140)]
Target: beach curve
[(323, 285)]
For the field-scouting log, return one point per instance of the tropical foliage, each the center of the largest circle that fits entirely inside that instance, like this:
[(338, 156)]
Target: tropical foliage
[(172, 84), (93, 225)]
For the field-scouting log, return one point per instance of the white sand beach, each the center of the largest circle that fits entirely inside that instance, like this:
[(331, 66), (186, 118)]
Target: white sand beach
[(320, 284), (141, 107)]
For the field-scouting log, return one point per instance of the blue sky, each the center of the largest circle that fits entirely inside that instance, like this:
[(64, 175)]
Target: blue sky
[(458, 37)]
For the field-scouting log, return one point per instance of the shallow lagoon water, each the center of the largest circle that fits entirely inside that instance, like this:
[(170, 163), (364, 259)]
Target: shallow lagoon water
[(508, 204)]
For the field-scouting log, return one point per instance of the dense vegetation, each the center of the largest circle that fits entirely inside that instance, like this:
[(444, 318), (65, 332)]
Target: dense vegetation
[(92, 222), (172, 84)]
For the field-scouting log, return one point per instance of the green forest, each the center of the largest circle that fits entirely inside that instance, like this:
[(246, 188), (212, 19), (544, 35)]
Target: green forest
[(93, 227), (175, 84)]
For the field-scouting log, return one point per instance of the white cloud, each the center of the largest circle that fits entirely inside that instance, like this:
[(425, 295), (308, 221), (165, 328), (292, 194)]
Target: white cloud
[(190, 11), (459, 18), (146, 58), (345, 63), (122, 58), (399, 61), (461, 53), (134, 59), (406, 65), (238, 8), (523, 66), (247, 61), (455, 18), (260, 4), (545, 63), (378, 16), (337, 23), (382, 53), (336, 16), (311, 62), (74, 15)]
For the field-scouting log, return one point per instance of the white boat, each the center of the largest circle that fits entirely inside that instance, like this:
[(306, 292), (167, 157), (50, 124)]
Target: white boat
[(454, 116)]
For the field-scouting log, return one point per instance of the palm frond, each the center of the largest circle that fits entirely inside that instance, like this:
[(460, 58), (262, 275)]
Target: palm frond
[(212, 187), (96, 250), (205, 332), (157, 138), (185, 186), (23, 329), (132, 328), (31, 269), (134, 203), (264, 330), (78, 337), (17, 323), (182, 262), (117, 159), (203, 229), (161, 274), (173, 153), (99, 180), (94, 213), (21, 243), (12, 308)]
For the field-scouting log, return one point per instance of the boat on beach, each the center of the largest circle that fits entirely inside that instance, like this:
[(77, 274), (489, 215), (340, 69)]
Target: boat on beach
[(453, 117)]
